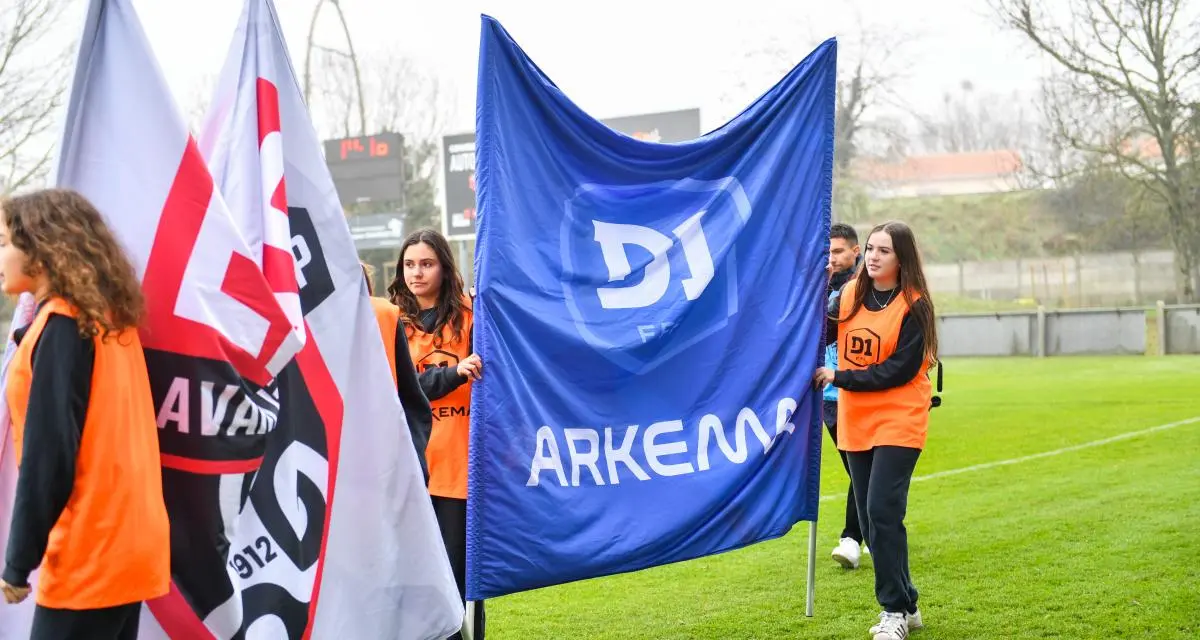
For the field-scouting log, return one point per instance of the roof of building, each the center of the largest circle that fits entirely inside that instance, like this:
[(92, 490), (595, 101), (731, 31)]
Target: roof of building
[(937, 167)]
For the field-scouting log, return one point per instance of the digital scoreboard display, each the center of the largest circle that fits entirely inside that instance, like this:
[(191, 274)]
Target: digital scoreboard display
[(367, 168)]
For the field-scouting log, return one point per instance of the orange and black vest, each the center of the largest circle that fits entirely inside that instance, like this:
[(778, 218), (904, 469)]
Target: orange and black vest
[(388, 317), (446, 453), (893, 417), (111, 545)]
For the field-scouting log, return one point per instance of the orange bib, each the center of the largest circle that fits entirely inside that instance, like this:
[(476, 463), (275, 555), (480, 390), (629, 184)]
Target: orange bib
[(894, 417), (388, 317), (111, 545), (446, 453)]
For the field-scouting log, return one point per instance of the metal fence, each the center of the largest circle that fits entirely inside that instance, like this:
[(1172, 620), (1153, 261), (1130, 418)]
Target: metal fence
[(1098, 331), (1074, 281)]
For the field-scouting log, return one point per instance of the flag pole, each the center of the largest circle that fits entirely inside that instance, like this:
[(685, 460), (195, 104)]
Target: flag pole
[(812, 568), (468, 628)]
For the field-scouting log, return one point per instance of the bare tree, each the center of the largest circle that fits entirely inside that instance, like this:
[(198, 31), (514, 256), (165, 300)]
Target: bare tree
[(1124, 97), (399, 96), (344, 59), (198, 102), (32, 86), (334, 96), (871, 63), (407, 99), (974, 121)]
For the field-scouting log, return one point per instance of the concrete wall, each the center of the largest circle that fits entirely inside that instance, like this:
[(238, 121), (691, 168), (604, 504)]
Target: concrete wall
[(1049, 333), (1096, 332), (1004, 334), (1179, 329)]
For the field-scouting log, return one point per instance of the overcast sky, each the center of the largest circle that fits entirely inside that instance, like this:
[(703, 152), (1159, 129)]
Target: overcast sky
[(618, 57)]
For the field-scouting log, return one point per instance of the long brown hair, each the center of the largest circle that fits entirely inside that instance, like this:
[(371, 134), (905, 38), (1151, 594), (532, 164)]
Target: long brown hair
[(911, 283), (450, 306), (63, 235), (368, 276)]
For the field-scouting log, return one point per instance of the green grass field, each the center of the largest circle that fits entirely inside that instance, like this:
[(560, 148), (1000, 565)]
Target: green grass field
[(1098, 542)]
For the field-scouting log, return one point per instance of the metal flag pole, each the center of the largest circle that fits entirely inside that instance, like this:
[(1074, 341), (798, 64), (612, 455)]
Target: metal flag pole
[(468, 628), (812, 568)]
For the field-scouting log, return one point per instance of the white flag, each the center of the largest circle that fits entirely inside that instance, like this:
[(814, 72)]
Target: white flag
[(215, 335), (383, 571), (15, 620)]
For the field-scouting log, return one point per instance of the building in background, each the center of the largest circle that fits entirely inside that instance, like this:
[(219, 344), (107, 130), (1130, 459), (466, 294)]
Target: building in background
[(944, 174)]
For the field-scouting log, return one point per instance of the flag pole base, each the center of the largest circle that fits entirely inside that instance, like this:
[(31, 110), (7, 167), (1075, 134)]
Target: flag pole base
[(468, 628), (812, 569)]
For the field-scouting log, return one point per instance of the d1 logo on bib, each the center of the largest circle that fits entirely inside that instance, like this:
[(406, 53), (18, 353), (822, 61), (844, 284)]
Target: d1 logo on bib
[(650, 270), (862, 347)]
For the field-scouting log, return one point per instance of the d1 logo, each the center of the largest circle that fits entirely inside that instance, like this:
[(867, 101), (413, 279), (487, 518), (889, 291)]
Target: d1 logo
[(435, 359), (649, 270), (862, 347)]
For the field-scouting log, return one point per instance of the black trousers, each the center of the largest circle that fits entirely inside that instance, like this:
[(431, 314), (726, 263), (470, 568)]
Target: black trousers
[(452, 519), (113, 623), (881, 478), (851, 528)]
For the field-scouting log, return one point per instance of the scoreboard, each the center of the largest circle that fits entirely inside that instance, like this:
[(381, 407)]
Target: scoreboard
[(367, 168)]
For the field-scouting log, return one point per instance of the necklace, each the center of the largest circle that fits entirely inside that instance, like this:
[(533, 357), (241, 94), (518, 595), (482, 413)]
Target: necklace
[(883, 305)]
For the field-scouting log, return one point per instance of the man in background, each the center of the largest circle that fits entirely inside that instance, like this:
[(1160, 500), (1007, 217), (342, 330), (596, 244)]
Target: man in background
[(844, 259)]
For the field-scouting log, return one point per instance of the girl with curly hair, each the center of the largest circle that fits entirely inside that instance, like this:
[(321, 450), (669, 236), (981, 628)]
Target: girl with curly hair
[(437, 320), (89, 503)]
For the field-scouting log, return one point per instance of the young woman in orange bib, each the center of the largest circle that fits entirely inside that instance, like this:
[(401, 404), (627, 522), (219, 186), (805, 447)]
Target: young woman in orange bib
[(438, 323), (89, 503), (883, 321)]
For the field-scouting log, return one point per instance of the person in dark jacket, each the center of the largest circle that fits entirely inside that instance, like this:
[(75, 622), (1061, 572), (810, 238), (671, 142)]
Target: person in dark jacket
[(417, 411), (845, 257)]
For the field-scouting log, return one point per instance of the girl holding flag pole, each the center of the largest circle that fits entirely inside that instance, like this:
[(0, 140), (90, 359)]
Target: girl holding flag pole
[(887, 343), (89, 502), (437, 319)]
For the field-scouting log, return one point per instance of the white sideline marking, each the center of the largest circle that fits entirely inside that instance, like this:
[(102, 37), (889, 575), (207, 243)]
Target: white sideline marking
[(1044, 454)]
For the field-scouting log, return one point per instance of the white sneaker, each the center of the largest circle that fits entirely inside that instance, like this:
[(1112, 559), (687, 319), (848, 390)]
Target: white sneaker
[(892, 626), (913, 620), (846, 553)]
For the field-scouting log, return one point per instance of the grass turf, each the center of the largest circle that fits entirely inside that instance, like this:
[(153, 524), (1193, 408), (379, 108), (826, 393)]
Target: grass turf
[(1094, 543)]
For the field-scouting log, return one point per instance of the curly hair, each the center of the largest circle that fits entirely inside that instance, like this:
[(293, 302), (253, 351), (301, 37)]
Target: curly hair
[(451, 308), (64, 236)]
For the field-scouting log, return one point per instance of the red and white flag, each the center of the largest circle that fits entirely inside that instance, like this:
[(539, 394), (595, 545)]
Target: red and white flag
[(251, 393), (383, 571), (216, 338)]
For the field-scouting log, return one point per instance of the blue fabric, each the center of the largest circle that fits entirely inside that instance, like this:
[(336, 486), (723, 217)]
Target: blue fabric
[(649, 317)]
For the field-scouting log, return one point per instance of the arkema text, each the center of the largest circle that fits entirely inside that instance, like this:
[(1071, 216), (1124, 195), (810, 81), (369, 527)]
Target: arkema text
[(600, 456)]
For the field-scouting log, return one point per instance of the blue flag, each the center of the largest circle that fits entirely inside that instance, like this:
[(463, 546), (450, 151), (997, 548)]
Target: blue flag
[(649, 317)]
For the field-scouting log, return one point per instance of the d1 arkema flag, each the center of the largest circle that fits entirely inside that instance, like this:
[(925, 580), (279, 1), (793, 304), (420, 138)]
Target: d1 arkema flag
[(650, 317), (382, 568)]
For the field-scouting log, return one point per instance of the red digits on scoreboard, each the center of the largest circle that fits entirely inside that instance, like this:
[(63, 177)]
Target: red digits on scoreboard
[(379, 148), (351, 145)]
